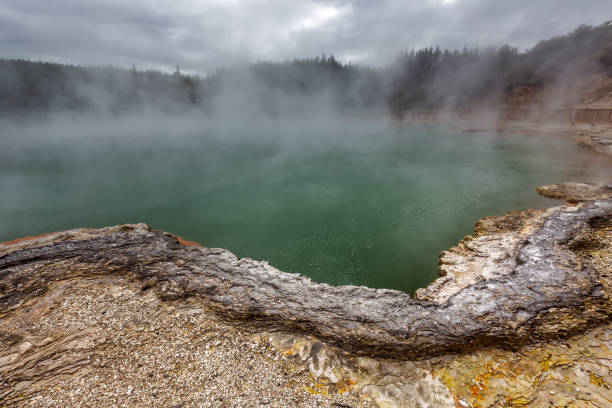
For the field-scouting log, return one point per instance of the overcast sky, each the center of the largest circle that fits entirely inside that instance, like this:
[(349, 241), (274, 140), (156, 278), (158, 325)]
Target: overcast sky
[(200, 35)]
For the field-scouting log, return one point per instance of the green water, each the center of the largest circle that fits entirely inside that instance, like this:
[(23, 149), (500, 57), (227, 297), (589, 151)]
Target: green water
[(365, 202)]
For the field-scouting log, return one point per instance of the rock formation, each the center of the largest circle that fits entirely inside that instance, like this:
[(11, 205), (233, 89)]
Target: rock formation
[(577, 192), (523, 278), (520, 297)]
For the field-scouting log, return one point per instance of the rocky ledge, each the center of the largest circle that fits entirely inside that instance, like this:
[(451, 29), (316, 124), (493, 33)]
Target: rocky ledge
[(577, 192), (524, 278), (597, 138), (525, 287)]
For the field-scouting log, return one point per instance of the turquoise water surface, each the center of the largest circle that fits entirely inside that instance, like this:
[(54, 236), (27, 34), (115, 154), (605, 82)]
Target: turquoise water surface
[(343, 201)]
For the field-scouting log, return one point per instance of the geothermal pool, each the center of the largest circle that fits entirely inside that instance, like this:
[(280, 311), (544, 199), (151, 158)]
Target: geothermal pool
[(343, 201)]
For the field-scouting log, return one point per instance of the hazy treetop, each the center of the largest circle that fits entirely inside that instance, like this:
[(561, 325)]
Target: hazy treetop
[(200, 35)]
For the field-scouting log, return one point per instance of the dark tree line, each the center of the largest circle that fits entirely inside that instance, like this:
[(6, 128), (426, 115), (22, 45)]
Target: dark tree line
[(431, 78), (38, 87), (29, 87), (428, 78)]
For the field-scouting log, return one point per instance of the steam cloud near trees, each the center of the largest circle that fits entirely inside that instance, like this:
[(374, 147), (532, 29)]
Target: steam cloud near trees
[(427, 78)]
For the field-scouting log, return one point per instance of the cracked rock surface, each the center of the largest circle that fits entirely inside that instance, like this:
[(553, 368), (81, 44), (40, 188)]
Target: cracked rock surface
[(129, 316)]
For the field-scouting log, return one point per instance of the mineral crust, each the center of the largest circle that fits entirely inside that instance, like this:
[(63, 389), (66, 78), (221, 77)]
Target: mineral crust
[(132, 316)]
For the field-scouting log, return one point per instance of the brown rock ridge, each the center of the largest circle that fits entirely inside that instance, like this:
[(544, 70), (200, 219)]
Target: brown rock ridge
[(527, 282), (126, 304)]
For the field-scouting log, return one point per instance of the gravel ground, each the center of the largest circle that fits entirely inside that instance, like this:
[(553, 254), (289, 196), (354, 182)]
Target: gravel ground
[(129, 349)]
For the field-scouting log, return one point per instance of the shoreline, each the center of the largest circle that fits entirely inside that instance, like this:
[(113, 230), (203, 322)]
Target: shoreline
[(126, 315)]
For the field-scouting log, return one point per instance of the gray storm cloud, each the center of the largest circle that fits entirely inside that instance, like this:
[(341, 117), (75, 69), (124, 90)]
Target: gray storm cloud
[(202, 35)]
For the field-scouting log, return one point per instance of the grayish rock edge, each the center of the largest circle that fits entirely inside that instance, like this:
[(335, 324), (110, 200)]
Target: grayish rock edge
[(549, 294)]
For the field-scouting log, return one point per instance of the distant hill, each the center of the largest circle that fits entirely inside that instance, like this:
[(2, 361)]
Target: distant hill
[(552, 72)]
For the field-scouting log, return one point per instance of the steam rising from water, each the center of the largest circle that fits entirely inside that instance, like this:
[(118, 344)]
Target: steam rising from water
[(342, 199)]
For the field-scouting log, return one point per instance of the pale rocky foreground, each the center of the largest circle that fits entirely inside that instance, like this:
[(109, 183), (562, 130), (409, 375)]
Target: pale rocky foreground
[(125, 316)]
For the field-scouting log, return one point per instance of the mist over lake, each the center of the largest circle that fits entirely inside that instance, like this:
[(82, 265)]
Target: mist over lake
[(264, 203), (343, 200)]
